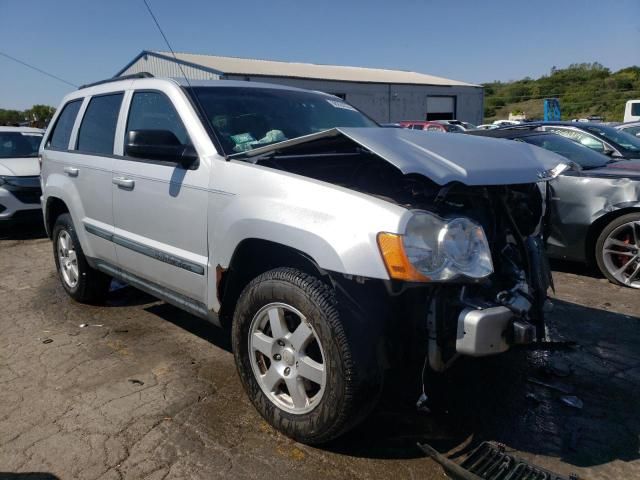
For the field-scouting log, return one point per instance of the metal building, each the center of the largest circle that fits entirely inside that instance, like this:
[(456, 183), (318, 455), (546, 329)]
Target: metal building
[(384, 95)]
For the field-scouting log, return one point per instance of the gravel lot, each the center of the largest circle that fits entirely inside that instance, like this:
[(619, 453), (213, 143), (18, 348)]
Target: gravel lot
[(147, 391)]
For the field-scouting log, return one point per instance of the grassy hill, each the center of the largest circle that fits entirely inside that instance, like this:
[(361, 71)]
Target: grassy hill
[(583, 89)]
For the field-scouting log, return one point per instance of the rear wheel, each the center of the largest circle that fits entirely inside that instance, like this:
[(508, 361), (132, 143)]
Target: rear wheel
[(81, 282), (618, 251), (294, 359)]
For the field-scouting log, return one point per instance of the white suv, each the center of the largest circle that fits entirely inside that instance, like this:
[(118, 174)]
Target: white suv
[(333, 248), (19, 174)]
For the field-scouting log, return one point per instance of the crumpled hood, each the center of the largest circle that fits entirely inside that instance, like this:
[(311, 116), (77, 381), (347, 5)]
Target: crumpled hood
[(19, 167), (445, 157)]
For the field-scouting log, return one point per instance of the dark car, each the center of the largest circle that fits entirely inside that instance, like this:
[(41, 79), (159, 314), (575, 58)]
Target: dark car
[(594, 207), (604, 139)]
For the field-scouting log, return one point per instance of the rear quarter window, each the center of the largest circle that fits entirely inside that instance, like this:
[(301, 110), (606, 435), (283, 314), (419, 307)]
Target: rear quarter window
[(61, 133)]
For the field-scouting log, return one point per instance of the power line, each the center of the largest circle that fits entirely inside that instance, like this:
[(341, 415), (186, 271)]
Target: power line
[(37, 69), (155, 20)]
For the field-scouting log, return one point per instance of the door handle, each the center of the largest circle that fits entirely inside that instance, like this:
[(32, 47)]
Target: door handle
[(71, 171), (125, 183)]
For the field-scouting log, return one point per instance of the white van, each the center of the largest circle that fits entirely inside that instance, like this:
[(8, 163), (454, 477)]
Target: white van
[(632, 111)]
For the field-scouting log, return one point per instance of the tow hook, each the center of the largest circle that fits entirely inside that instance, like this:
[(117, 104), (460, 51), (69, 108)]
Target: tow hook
[(523, 332)]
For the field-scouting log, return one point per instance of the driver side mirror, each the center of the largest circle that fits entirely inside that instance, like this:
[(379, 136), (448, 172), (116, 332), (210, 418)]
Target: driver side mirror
[(609, 152), (160, 145)]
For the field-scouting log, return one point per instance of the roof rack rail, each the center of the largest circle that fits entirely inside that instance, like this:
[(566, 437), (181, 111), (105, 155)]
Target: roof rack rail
[(117, 79)]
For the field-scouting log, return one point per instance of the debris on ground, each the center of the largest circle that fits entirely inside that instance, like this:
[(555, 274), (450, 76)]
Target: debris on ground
[(559, 367), (83, 325), (491, 461), (566, 389), (47, 340), (533, 397), (572, 401), (135, 381)]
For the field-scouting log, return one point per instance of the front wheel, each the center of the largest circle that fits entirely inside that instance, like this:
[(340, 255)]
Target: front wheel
[(294, 359), (618, 250)]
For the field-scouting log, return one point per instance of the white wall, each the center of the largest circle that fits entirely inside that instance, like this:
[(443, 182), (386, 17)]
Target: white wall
[(382, 102)]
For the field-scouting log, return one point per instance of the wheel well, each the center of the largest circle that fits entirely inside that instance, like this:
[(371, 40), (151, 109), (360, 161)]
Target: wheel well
[(600, 224), (55, 208), (251, 258)]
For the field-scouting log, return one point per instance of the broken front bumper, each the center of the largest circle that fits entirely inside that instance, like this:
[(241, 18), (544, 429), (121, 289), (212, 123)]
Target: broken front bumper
[(491, 330)]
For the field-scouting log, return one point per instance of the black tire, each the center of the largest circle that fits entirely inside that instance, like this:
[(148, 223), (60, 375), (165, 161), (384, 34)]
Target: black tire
[(347, 397), (599, 247), (92, 286)]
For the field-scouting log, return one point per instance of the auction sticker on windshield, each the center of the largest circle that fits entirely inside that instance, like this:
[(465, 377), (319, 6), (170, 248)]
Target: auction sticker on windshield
[(343, 105)]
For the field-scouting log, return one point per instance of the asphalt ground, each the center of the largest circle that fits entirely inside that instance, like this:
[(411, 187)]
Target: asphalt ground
[(146, 391)]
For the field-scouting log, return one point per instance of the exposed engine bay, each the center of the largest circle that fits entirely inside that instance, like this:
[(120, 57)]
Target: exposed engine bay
[(512, 217)]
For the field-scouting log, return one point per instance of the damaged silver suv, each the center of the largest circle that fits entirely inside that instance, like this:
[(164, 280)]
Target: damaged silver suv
[(330, 246)]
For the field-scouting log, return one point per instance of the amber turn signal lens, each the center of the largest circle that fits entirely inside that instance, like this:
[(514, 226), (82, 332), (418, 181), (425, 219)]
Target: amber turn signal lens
[(395, 259)]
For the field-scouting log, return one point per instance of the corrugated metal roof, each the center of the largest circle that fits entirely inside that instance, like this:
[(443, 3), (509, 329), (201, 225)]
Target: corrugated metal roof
[(248, 66)]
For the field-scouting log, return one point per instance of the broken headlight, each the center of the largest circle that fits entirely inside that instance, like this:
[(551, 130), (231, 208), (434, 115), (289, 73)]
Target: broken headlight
[(443, 249)]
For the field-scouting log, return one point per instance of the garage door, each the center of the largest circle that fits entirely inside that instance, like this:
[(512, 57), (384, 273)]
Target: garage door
[(441, 108)]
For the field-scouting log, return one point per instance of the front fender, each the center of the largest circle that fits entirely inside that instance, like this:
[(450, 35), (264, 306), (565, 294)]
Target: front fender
[(334, 226)]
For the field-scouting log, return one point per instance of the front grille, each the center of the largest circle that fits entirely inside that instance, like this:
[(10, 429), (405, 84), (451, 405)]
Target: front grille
[(28, 195), (491, 462)]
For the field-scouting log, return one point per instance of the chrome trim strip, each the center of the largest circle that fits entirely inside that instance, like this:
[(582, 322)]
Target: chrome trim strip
[(146, 250), (98, 232)]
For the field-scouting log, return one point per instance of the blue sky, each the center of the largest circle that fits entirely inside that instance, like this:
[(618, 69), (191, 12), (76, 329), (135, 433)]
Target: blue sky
[(469, 40)]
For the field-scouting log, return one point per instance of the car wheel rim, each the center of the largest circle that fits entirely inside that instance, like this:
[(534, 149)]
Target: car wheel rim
[(68, 259), (287, 358), (621, 254)]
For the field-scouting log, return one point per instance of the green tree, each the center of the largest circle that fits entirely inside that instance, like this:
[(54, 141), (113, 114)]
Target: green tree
[(36, 116)]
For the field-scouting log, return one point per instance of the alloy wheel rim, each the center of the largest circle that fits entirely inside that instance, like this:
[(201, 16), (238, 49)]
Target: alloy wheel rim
[(287, 358), (68, 259), (621, 254)]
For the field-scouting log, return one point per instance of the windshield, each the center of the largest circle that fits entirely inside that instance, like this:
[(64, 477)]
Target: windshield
[(583, 156), (19, 144), (623, 139), (634, 130), (248, 118)]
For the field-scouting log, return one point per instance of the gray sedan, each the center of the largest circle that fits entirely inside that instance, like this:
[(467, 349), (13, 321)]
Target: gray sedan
[(595, 207)]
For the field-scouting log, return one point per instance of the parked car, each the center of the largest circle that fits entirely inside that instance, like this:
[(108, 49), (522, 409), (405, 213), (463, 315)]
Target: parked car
[(595, 209), (327, 244), (632, 128), (464, 125), (601, 138), (632, 111), (391, 125), (19, 174), (431, 126), (487, 126)]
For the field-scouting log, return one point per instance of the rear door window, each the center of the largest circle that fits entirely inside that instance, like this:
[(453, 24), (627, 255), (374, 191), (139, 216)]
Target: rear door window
[(98, 128), (59, 138)]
